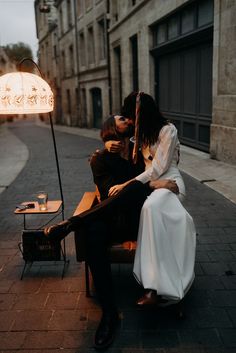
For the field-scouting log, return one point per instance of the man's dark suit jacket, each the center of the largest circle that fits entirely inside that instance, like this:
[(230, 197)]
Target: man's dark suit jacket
[(110, 169)]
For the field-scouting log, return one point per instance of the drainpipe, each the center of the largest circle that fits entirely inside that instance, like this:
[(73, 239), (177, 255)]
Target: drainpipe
[(107, 22)]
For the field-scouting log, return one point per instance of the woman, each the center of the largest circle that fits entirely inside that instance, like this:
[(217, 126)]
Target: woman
[(165, 255)]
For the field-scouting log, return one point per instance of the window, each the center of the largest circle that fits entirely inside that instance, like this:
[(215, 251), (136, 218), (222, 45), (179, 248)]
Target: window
[(71, 55), (88, 4), (134, 55), (205, 13), (91, 49), (83, 107), (189, 19), (173, 27), (46, 55), (69, 15), (80, 7), (61, 21), (114, 10), (82, 49), (118, 77), (102, 39), (68, 101), (77, 99), (161, 33), (41, 55), (55, 51), (63, 63), (55, 54)]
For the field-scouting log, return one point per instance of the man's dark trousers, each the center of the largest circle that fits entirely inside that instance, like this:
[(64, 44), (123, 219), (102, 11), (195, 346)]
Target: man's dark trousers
[(101, 224)]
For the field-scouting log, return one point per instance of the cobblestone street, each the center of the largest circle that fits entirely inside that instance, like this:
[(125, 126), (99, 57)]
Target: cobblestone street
[(44, 313)]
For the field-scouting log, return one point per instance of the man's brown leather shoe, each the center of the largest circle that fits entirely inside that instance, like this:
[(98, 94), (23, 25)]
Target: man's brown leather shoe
[(57, 232), (149, 298), (106, 330)]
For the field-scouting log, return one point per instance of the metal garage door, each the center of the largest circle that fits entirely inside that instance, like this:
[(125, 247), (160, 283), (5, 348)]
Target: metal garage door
[(184, 92)]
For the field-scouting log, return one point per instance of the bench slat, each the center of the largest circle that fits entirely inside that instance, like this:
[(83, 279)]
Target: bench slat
[(88, 200)]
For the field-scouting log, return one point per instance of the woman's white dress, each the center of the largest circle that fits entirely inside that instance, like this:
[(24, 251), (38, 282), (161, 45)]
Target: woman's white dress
[(165, 254)]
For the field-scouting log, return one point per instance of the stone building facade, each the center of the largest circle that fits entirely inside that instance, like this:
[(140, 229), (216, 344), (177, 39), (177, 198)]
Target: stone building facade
[(180, 51), (48, 58), (93, 67)]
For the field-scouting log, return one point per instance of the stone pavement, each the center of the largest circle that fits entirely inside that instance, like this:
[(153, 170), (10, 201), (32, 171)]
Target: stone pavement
[(43, 313)]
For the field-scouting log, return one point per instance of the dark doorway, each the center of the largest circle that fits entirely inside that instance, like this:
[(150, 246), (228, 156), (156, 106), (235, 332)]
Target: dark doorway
[(97, 107)]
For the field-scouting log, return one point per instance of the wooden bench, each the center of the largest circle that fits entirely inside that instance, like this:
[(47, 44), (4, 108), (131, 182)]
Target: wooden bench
[(119, 253)]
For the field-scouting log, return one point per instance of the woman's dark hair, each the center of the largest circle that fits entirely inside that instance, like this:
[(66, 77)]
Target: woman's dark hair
[(151, 120), (108, 130)]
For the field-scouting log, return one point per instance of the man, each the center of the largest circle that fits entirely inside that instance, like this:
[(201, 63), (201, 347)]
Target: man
[(116, 218)]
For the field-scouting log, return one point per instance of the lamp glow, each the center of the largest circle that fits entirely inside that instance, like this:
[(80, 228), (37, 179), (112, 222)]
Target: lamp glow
[(24, 93)]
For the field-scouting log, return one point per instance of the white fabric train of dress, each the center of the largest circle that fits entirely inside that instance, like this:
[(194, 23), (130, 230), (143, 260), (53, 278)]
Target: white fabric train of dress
[(165, 254), (166, 244)]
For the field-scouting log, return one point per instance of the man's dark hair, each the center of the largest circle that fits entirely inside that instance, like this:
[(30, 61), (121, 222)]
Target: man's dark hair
[(108, 130), (151, 119)]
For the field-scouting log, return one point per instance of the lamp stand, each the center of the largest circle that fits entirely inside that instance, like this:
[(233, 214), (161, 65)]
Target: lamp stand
[(57, 163), (53, 135)]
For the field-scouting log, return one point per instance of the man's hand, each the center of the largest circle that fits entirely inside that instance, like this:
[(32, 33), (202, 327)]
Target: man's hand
[(169, 184), (114, 146)]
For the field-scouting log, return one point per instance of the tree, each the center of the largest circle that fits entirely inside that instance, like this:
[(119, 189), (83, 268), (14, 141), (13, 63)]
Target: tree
[(18, 51)]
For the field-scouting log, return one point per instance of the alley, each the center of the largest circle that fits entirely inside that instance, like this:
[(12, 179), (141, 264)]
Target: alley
[(43, 313)]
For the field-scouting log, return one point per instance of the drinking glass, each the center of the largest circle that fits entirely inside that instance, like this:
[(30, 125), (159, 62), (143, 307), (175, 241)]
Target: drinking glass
[(42, 198)]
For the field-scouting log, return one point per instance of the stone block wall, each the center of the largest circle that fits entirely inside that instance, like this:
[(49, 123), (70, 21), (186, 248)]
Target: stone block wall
[(223, 128)]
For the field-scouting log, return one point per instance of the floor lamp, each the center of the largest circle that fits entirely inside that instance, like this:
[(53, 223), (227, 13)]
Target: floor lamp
[(27, 93)]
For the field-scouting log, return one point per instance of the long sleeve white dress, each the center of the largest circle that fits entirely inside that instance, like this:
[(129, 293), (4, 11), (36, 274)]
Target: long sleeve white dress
[(166, 244)]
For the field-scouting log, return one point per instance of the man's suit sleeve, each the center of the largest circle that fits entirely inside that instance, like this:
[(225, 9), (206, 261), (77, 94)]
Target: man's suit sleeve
[(101, 174)]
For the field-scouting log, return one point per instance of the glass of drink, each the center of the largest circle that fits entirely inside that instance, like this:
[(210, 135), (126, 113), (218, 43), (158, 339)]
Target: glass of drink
[(42, 198)]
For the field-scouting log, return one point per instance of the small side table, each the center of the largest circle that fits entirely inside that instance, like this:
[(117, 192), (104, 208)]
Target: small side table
[(35, 246)]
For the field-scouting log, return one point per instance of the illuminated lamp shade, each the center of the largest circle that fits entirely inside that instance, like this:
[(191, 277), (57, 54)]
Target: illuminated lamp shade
[(24, 93)]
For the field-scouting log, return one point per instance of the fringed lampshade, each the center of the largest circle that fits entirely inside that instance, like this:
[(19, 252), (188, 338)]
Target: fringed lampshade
[(24, 93)]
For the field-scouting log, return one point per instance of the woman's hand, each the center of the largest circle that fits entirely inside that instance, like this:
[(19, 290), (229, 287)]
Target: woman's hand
[(115, 189), (169, 184), (114, 146)]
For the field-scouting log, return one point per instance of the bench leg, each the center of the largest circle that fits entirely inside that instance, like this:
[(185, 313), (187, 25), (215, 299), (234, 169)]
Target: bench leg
[(87, 284)]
